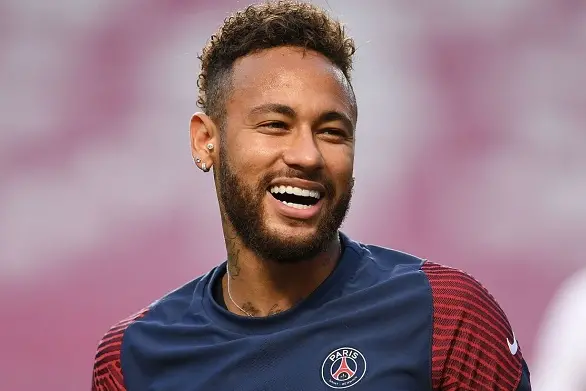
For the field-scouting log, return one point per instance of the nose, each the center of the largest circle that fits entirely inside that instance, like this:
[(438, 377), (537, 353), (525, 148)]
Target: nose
[(303, 152)]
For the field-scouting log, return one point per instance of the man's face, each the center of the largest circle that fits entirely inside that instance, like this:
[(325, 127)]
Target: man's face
[(286, 153)]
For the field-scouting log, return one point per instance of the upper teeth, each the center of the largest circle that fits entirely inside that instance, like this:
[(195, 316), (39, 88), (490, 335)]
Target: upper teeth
[(295, 190)]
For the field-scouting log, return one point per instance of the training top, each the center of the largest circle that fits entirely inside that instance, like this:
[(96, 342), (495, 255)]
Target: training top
[(383, 320)]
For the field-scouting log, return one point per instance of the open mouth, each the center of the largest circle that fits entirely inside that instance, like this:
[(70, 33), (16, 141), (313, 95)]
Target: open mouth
[(295, 197)]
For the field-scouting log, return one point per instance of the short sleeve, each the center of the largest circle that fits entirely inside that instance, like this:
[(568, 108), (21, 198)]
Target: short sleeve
[(473, 345)]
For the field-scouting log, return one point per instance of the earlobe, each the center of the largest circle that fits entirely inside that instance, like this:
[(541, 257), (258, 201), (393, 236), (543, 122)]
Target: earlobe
[(202, 135)]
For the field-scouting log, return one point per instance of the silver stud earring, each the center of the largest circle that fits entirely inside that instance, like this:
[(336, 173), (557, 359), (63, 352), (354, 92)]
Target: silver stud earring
[(197, 160), (210, 146)]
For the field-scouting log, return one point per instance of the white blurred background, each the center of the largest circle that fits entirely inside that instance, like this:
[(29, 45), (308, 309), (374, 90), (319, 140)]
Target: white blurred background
[(471, 152)]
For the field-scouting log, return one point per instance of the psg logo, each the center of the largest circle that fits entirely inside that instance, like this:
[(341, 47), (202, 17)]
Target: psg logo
[(343, 368)]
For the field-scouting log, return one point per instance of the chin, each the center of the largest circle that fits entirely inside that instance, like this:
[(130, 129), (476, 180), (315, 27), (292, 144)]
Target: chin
[(290, 244), (293, 230)]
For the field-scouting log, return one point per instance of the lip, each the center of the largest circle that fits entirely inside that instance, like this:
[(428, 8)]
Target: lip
[(293, 213), (301, 183)]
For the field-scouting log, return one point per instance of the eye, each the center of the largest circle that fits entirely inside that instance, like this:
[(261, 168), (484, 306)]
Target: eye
[(274, 125), (333, 133)]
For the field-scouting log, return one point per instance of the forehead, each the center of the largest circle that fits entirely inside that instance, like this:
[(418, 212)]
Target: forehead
[(302, 79)]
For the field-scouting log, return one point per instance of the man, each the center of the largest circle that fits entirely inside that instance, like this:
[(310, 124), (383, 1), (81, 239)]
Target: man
[(298, 305)]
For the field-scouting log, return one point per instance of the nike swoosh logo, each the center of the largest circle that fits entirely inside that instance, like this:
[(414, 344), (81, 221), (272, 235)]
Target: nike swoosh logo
[(513, 346)]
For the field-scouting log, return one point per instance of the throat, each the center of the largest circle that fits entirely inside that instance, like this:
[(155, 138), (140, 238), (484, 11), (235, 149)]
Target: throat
[(267, 291), (263, 287), (244, 304)]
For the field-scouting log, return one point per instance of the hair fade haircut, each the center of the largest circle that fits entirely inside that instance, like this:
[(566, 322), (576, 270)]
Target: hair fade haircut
[(264, 26)]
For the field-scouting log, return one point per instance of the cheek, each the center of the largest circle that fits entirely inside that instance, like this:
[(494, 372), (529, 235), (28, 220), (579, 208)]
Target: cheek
[(340, 163), (258, 152)]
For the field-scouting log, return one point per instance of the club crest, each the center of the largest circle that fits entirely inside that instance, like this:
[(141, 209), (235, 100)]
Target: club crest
[(343, 368)]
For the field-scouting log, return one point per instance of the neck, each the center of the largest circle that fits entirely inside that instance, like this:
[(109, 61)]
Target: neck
[(262, 287)]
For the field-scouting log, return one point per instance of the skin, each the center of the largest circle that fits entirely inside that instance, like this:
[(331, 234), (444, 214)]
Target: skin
[(276, 121)]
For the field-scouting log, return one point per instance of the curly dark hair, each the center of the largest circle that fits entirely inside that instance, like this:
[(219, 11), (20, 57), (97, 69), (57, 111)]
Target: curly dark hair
[(264, 26)]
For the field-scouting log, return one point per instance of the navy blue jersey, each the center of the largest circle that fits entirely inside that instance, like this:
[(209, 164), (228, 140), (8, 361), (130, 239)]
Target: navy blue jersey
[(383, 320)]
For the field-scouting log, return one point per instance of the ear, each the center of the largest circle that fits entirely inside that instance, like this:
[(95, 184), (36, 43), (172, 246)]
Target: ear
[(204, 141)]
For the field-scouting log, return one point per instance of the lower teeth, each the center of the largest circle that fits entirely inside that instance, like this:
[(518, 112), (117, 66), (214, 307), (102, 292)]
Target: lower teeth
[(296, 206)]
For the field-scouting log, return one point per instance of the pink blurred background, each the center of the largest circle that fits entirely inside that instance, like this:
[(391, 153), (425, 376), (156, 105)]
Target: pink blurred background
[(471, 152)]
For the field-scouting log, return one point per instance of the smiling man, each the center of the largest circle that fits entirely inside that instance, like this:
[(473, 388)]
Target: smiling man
[(298, 305)]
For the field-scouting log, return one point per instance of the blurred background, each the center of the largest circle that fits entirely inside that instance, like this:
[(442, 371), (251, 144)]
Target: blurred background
[(471, 151)]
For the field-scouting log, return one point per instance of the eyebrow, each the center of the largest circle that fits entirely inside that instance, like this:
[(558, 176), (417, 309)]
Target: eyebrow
[(328, 116), (274, 108)]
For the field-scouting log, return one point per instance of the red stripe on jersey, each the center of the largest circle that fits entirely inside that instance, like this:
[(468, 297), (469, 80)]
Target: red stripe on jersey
[(107, 373), (480, 301), (459, 307), (470, 333)]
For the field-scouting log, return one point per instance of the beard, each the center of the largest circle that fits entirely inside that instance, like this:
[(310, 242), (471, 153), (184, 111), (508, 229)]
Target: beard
[(243, 206)]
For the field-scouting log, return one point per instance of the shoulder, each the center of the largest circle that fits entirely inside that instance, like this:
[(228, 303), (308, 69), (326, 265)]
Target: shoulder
[(107, 371), (473, 342), (108, 365), (388, 269), (453, 288), (384, 260)]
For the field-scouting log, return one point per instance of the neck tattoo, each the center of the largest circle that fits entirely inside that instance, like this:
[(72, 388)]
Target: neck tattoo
[(230, 294), (229, 277)]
